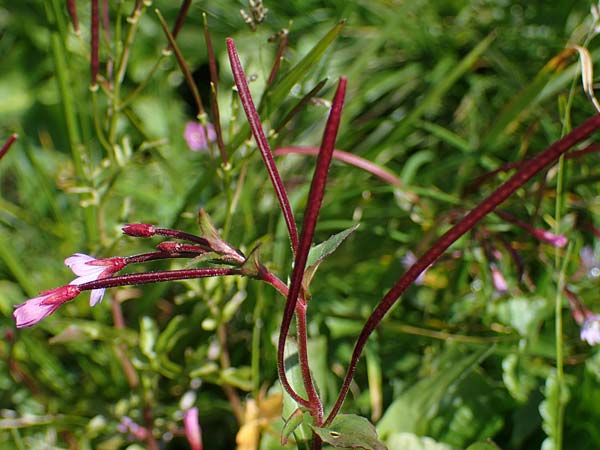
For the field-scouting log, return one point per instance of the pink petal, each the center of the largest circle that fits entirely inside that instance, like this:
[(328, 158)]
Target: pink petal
[(32, 311), (192, 428)]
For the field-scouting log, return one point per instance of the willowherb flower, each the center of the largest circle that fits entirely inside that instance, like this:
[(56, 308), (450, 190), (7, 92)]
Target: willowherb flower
[(193, 433), (38, 308), (590, 330), (557, 240), (195, 135), (88, 268)]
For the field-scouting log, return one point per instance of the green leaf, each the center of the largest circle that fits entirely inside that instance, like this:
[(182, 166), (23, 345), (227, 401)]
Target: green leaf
[(148, 335), (291, 423), (321, 251), (281, 89), (350, 431), (239, 377), (487, 445), (410, 441), (303, 432), (414, 408)]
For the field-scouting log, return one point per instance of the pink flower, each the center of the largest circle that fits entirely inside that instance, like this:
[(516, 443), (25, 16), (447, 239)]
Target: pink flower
[(193, 433), (590, 331), (89, 269), (196, 137), (127, 425), (498, 279), (38, 308), (558, 240)]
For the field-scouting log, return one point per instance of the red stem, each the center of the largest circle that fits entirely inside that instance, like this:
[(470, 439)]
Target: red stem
[(157, 277), (185, 6), (72, 8), (9, 142), (94, 39), (214, 79), (527, 170), (348, 158), (282, 45), (261, 141), (315, 197)]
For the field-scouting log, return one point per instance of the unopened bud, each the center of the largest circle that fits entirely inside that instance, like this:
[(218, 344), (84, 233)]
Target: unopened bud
[(139, 230)]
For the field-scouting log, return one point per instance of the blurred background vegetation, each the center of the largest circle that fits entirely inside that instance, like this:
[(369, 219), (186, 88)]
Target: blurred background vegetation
[(440, 93)]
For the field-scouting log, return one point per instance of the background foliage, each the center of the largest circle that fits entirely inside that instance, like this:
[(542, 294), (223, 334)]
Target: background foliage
[(429, 98)]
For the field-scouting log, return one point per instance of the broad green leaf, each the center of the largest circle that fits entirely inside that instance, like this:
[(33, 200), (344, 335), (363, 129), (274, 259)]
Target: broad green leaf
[(321, 251), (350, 431), (487, 445), (414, 408)]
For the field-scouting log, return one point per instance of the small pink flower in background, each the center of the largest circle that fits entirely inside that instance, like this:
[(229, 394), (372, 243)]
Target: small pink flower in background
[(590, 330), (498, 279), (127, 425), (193, 432), (196, 137), (558, 240), (88, 268), (409, 259), (38, 308)]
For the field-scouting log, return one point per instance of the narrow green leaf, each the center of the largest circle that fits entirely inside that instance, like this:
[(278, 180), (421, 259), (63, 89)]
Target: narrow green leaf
[(239, 377), (283, 87), (321, 251), (291, 423), (436, 93), (148, 335), (350, 431), (522, 102)]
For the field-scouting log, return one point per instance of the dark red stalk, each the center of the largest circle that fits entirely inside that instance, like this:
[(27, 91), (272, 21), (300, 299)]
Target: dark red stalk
[(315, 198), (72, 8), (185, 6), (527, 171), (157, 277), (94, 65), (261, 141), (214, 79), (106, 20), (348, 158), (9, 142), (182, 65), (282, 45)]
